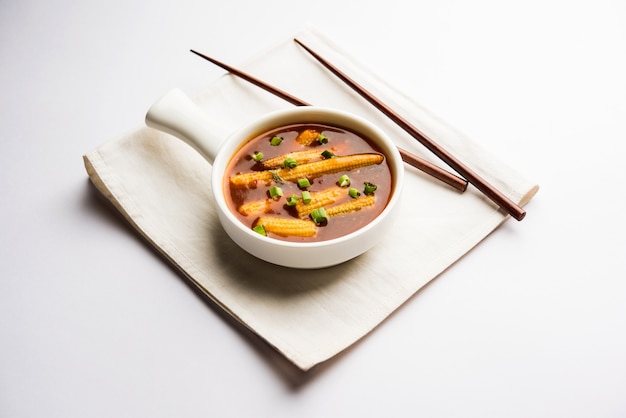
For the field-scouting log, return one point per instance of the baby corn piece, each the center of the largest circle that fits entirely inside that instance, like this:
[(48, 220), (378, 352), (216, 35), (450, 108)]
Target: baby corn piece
[(302, 157), (288, 227), (351, 206), (310, 170), (258, 206), (251, 178), (318, 200), (330, 166), (307, 137)]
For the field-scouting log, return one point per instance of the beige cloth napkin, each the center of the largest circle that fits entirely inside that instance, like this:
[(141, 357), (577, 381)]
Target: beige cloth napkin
[(162, 187)]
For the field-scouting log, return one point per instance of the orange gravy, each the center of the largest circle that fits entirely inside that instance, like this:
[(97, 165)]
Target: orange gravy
[(341, 142)]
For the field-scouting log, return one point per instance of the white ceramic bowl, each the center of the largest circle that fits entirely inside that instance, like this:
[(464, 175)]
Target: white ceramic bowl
[(176, 114)]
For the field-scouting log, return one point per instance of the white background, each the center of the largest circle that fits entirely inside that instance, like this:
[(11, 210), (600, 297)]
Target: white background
[(531, 323)]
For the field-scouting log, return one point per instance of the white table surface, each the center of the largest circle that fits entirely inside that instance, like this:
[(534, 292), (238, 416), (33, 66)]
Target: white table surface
[(531, 323)]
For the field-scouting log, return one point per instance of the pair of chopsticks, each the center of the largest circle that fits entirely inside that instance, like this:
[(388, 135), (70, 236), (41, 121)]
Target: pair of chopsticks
[(427, 167), (417, 162), (459, 183)]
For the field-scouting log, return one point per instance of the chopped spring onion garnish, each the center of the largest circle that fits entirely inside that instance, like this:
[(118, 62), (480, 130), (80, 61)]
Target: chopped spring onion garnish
[(322, 139), (275, 141), (290, 162), (344, 181), (260, 229), (319, 216), (292, 200), (257, 156), (306, 197), (369, 188), (304, 183), (354, 192), (275, 192), (327, 154)]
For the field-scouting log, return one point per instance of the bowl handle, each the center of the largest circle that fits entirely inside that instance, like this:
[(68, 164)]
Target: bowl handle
[(176, 114)]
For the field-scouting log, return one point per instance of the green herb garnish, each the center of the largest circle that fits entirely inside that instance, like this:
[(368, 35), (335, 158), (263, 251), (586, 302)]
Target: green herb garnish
[(292, 200), (369, 188), (304, 183), (322, 139), (290, 162), (275, 141), (260, 229), (344, 181), (276, 192), (319, 216), (257, 156)]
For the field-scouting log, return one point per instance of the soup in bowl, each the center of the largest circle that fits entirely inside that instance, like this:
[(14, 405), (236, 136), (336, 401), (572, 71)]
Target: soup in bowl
[(307, 187)]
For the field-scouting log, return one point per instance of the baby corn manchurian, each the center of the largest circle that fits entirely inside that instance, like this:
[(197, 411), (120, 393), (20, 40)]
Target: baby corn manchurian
[(319, 199), (351, 206), (291, 227), (288, 226), (302, 157), (257, 206), (308, 136), (309, 170)]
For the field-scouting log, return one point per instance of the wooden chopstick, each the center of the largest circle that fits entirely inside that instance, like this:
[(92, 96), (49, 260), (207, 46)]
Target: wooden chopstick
[(481, 184), (427, 167), (265, 86)]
